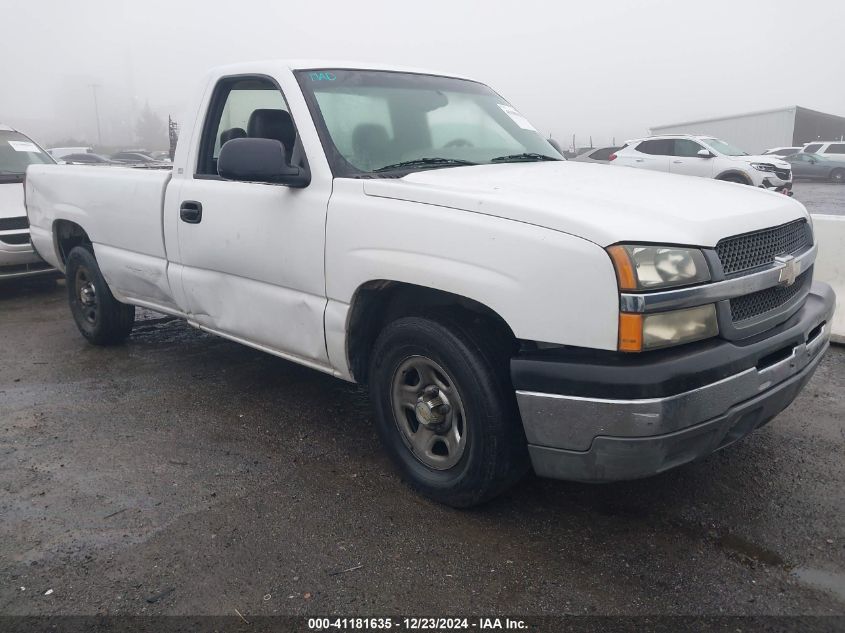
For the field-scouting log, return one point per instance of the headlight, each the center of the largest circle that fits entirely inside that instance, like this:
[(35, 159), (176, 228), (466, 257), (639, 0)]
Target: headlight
[(656, 267), (640, 332), (763, 166)]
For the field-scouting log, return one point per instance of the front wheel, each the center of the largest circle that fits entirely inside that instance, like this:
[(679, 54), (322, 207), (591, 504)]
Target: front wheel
[(445, 410), (837, 176), (737, 179), (100, 317)]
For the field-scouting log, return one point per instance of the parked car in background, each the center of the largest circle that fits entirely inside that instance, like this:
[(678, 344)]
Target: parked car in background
[(61, 152), (781, 151), (707, 157), (604, 324), (817, 167), (161, 156), (831, 149), (88, 159), (17, 258), (138, 159), (600, 155)]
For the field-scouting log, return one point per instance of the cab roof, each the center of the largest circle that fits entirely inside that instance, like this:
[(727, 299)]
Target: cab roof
[(321, 64)]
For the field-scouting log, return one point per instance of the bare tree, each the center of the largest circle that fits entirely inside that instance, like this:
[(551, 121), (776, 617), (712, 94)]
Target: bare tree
[(151, 129)]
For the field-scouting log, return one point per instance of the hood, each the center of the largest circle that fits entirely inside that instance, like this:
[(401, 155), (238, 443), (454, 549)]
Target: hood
[(11, 200), (599, 203), (772, 159)]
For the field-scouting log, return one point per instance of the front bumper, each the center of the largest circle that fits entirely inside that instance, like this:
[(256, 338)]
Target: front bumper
[(20, 260), (632, 416), (778, 185)]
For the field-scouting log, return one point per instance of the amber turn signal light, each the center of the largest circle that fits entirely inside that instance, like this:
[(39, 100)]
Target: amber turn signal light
[(630, 332), (625, 274)]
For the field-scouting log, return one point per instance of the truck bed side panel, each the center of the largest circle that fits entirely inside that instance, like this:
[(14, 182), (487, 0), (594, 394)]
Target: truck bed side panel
[(121, 211)]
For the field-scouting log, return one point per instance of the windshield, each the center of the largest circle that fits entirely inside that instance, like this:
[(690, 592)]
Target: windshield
[(16, 152), (724, 148), (375, 123)]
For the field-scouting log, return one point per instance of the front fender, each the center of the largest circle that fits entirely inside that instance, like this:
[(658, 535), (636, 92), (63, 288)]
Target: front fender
[(547, 285)]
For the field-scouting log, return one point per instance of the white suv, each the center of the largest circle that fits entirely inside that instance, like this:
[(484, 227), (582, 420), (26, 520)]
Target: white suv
[(707, 157), (829, 149)]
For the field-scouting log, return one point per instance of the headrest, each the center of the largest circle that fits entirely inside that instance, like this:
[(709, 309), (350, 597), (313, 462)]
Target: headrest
[(274, 124), (369, 136), (228, 135)]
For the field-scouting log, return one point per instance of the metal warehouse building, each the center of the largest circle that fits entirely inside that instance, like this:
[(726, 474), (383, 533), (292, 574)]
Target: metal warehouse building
[(756, 132)]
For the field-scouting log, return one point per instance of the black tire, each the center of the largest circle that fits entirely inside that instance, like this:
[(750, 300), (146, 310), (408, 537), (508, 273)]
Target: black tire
[(737, 179), (494, 455), (837, 176), (101, 318)]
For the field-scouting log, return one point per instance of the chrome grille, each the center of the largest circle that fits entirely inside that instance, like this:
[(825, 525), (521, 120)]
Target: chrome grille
[(783, 174), (759, 303), (744, 252)]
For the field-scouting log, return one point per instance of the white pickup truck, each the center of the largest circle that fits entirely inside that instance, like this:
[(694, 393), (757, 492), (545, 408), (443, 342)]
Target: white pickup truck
[(412, 231)]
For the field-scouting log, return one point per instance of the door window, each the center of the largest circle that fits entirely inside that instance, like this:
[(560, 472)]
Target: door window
[(687, 148), (836, 148), (813, 148), (234, 113), (656, 147)]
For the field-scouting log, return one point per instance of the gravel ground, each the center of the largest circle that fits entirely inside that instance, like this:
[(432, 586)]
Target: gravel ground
[(820, 197), (184, 474)]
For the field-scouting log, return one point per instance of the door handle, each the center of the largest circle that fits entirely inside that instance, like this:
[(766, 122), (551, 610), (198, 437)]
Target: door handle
[(639, 160), (678, 162), (191, 212)]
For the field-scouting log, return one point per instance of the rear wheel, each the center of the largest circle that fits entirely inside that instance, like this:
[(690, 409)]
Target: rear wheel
[(100, 317), (837, 176), (446, 411)]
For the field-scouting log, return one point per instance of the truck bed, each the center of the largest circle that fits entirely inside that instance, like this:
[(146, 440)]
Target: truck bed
[(121, 210)]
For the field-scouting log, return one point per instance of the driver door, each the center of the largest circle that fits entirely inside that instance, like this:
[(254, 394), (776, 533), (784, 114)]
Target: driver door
[(252, 253), (685, 159), (802, 165)]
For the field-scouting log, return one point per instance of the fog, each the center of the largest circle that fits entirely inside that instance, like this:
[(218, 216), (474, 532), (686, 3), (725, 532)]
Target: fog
[(601, 69)]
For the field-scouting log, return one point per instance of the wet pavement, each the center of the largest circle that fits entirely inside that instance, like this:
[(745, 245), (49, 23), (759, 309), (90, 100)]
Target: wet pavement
[(185, 474), (820, 197)]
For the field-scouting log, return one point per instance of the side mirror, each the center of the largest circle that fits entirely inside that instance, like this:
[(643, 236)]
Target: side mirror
[(259, 160), (704, 153)]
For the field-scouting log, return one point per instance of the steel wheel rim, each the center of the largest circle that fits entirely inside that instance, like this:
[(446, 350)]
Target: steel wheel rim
[(86, 295), (439, 441)]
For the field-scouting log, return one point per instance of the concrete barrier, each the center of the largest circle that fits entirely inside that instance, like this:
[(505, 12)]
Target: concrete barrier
[(829, 232)]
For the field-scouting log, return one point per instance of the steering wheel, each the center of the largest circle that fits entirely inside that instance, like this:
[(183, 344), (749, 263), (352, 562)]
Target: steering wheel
[(459, 142)]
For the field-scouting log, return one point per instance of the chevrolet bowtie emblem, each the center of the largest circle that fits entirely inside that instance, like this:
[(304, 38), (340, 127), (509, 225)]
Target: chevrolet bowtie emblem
[(791, 269)]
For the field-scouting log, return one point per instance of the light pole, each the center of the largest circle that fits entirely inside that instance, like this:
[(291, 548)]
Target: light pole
[(97, 112)]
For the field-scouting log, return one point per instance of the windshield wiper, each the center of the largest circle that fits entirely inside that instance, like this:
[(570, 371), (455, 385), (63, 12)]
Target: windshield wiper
[(425, 162), (525, 156)]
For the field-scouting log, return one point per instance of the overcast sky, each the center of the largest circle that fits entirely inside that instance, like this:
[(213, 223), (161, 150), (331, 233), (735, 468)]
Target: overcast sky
[(604, 68)]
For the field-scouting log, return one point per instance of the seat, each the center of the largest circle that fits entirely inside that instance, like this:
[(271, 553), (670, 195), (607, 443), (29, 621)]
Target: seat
[(371, 146), (274, 124), (228, 135)]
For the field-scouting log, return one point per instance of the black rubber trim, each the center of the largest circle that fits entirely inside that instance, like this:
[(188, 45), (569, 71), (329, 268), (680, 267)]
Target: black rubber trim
[(590, 373)]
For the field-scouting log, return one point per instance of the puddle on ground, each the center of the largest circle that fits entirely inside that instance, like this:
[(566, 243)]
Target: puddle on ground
[(749, 553), (831, 581)]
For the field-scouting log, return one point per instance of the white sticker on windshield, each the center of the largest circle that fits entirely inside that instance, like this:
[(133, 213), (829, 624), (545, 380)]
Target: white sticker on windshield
[(24, 146), (516, 117)]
